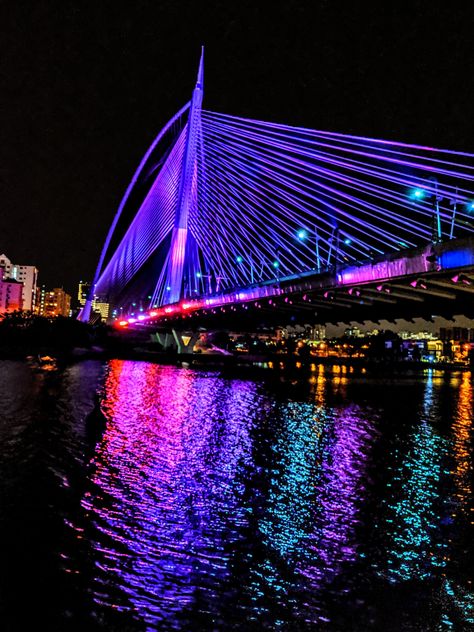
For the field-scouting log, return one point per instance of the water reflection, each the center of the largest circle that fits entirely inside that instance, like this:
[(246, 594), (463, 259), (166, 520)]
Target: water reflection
[(167, 494), (313, 503), (162, 498), (216, 503), (462, 433), (413, 517)]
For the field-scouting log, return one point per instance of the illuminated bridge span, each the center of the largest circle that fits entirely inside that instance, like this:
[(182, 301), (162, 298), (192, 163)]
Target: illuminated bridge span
[(224, 210)]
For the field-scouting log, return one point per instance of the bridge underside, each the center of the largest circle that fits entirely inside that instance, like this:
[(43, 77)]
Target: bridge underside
[(397, 300), (428, 283)]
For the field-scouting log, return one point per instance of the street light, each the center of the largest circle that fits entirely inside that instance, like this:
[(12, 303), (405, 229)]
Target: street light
[(239, 259), (418, 194), (302, 234)]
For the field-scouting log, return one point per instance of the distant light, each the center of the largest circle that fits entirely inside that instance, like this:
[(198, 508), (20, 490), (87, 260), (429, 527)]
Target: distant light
[(132, 320), (198, 274), (302, 234), (276, 264), (418, 194), (239, 259), (168, 287), (348, 241), (123, 323), (470, 206)]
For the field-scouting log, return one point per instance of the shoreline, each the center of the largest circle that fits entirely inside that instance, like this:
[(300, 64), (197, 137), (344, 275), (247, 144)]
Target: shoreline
[(276, 363)]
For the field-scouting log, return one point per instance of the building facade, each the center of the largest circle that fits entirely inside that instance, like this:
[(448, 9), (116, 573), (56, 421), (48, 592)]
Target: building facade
[(98, 306), (11, 294), (53, 303), (26, 275)]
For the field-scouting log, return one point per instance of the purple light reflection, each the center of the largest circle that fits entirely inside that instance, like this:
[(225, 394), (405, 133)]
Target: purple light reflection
[(166, 505)]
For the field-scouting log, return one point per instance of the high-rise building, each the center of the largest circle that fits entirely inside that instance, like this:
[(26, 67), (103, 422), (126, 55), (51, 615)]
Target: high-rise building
[(82, 292), (11, 294), (27, 275), (98, 305), (54, 302)]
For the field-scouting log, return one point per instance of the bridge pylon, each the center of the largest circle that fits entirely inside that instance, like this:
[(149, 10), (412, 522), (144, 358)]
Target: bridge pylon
[(183, 250)]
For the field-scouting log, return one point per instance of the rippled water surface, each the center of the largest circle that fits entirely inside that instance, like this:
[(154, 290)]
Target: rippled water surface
[(142, 497)]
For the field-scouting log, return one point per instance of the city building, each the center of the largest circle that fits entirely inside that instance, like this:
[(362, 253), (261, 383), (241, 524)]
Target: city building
[(417, 335), (319, 332), (82, 292), (99, 306), (27, 275), (457, 334), (54, 302), (353, 332), (11, 294)]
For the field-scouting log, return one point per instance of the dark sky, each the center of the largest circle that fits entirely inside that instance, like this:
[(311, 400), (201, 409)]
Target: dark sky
[(86, 86)]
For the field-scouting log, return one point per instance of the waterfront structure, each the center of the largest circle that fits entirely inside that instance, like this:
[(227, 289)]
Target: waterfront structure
[(53, 303), (226, 213), (11, 294), (26, 275)]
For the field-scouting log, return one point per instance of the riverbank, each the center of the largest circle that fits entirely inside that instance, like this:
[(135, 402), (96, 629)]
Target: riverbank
[(67, 341), (235, 364)]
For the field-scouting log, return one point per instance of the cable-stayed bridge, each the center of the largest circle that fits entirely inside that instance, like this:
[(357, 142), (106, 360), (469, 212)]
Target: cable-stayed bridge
[(228, 217)]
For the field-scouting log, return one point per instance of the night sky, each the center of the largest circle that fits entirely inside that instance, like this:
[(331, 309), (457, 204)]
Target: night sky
[(86, 86)]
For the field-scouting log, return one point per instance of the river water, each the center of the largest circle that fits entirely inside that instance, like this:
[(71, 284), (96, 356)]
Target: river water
[(137, 497)]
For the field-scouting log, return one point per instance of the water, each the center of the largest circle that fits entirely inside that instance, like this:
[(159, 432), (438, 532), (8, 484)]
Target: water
[(142, 497)]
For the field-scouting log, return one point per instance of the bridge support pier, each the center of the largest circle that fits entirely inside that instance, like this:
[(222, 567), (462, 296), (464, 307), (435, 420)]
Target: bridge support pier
[(185, 340), (181, 341), (166, 340)]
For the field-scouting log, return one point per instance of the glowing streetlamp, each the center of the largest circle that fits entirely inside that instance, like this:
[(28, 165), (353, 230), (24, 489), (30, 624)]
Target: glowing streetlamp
[(419, 194), (302, 234)]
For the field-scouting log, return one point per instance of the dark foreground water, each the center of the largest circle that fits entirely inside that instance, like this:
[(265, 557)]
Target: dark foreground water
[(143, 497)]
